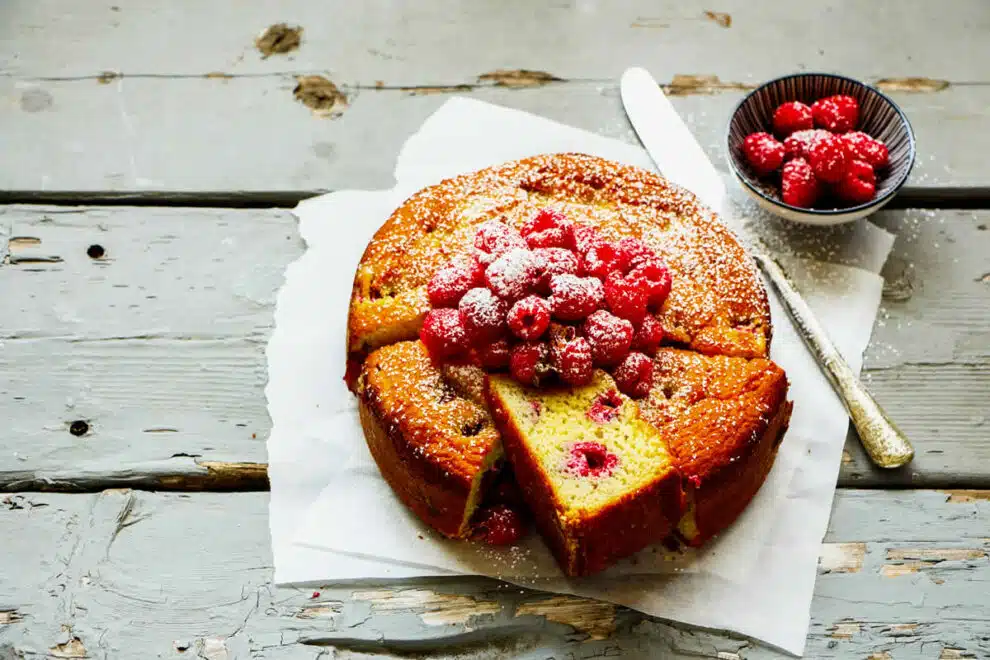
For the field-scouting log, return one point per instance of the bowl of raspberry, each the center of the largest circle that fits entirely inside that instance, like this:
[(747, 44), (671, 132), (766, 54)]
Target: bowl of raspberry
[(820, 148)]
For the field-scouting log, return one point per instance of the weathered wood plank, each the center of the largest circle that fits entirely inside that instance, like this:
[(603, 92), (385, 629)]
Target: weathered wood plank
[(158, 273), (901, 572), (159, 346), (445, 42), (928, 358), (251, 134)]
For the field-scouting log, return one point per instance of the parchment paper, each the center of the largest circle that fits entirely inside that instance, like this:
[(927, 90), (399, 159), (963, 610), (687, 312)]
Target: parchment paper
[(333, 518)]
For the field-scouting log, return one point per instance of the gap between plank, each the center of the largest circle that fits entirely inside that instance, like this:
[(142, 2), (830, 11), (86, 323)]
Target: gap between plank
[(924, 198), (942, 198)]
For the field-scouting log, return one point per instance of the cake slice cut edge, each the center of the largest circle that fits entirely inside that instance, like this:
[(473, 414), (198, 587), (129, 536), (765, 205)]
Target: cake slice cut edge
[(598, 478), (432, 445)]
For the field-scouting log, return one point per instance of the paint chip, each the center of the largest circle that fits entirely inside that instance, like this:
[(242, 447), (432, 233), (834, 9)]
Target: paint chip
[(518, 78), (591, 617), (935, 555), (844, 629), (18, 242), (722, 18), (842, 557), (963, 496), (912, 84), (278, 39), (684, 84), (435, 609), (320, 95), (422, 90), (71, 649), (9, 616), (321, 611)]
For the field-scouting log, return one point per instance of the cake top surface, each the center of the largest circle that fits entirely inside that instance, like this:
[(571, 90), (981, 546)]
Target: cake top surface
[(696, 398), (717, 303)]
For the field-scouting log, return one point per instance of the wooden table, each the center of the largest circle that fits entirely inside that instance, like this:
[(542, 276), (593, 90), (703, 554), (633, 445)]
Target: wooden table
[(151, 154)]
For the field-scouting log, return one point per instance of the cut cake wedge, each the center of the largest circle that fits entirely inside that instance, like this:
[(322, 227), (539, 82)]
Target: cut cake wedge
[(598, 478)]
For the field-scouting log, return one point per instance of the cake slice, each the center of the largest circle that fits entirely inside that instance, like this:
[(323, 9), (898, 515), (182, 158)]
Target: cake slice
[(723, 419), (432, 445), (598, 479)]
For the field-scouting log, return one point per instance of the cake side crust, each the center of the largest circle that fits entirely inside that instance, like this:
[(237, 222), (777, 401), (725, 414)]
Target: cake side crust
[(431, 446)]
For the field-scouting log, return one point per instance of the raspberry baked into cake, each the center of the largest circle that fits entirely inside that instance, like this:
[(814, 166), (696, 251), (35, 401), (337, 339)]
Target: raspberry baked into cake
[(571, 341)]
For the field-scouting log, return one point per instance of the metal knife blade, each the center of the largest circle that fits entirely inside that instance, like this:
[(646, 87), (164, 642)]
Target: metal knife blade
[(681, 159)]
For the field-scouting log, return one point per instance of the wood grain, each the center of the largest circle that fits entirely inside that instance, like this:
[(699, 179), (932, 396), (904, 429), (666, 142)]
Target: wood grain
[(85, 584), (159, 346), (251, 134), (443, 42)]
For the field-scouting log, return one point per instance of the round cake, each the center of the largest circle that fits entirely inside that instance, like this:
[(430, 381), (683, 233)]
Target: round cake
[(451, 439)]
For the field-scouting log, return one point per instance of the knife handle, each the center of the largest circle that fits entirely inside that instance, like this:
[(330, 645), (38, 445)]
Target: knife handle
[(886, 445)]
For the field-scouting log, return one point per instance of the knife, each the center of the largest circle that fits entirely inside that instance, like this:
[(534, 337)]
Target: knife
[(674, 149)]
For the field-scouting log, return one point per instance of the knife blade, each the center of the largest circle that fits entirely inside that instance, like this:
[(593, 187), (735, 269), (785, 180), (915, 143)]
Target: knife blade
[(681, 159)]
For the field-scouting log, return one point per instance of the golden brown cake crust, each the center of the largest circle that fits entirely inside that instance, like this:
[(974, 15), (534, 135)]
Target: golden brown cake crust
[(414, 418), (717, 305), (744, 402), (429, 442)]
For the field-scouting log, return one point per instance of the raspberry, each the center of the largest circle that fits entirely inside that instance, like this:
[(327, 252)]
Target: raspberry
[(443, 333), (827, 157), (549, 228), (605, 408), (494, 355), (449, 284), (529, 318), (591, 459), (610, 337), (573, 361), (503, 489), (494, 239), (655, 278), (837, 113), (585, 238), (483, 315), (797, 144), (554, 261), (798, 184), (790, 117), (859, 184), (513, 275), (864, 147), (498, 525), (634, 376), (626, 298), (574, 298), (602, 259), (648, 336), (763, 152), (633, 251), (528, 362)]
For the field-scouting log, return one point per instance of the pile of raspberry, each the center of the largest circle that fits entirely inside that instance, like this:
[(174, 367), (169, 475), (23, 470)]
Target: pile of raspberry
[(550, 302), (822, 154)]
